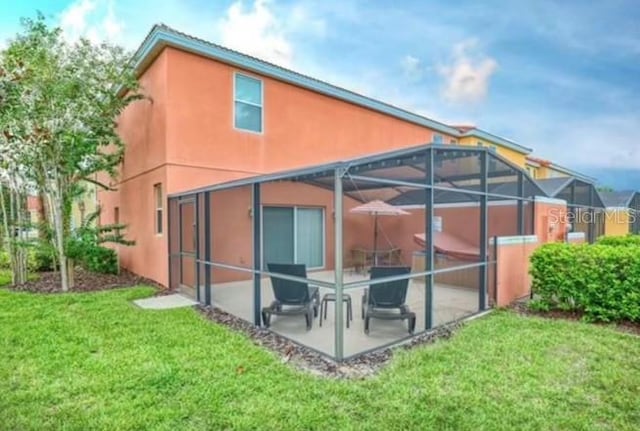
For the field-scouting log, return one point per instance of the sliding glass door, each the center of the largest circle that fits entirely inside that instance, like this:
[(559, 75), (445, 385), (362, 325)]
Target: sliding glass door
[(293, 235)]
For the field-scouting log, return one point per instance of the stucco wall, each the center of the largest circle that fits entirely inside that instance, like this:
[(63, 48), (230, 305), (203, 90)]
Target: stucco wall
[(142, 127), (512, 269), (301, 128)]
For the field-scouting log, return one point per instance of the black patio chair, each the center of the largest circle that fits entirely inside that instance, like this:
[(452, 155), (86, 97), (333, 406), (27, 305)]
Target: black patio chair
[(381, 300), (292, 297)]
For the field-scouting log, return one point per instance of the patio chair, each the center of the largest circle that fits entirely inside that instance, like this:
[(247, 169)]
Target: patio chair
[(292, 297), (381, 300)]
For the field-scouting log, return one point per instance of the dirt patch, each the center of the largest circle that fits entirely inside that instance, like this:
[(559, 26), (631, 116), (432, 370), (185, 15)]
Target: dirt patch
[(522, 307), (315, 363), (85, 281)]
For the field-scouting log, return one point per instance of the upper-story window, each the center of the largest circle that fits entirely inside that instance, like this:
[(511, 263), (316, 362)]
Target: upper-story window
[(438, 139), (247, 103)]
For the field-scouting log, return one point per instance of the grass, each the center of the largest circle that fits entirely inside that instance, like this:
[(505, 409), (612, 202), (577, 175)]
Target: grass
[(95, 361)]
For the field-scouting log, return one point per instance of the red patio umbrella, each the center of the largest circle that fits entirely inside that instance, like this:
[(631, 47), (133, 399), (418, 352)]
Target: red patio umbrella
[(377, 208)]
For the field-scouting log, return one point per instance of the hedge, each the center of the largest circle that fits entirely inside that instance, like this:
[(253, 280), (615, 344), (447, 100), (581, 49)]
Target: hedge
[(602, 281), (628, 240)]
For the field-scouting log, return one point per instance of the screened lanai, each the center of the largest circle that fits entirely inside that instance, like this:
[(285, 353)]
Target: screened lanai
[(628, 199), (585, 208), (425, 264)]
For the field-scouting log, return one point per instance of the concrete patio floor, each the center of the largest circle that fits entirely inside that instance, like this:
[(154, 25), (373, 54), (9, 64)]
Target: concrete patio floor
[(450, 303)]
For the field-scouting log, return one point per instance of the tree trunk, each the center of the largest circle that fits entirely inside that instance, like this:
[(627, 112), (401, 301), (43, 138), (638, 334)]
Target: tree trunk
[(55, 207), (12, 222), (20, 240), (42, 219)]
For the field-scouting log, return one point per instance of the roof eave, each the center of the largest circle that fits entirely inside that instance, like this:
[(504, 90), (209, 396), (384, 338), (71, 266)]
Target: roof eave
[(572, 173), (479, 133)]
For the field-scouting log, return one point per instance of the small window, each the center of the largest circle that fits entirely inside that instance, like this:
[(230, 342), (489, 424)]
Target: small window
[(453, 142), (247, 103), (438, 139), (157, 193)]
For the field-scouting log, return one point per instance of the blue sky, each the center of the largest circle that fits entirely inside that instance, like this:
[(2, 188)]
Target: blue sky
[(561, 77)]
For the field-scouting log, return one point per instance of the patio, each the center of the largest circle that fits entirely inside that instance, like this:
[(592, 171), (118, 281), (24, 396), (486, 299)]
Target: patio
[(450, 303)]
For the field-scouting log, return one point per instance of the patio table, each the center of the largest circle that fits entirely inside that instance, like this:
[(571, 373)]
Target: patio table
[(363, 258)]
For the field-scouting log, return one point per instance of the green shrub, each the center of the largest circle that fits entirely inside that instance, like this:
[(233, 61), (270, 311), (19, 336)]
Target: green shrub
[(5, 261), (628, 240), (41, 259), (102, 260), (601, 281), (92, 256)]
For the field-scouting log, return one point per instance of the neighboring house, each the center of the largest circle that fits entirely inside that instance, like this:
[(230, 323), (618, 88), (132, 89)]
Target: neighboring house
[(84, 207), (35, 211), (80, 209), (622, 210), (475, 137), (544, 169)]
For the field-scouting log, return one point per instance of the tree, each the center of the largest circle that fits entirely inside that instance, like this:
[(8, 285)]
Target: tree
[(63, 117), (13, 179)]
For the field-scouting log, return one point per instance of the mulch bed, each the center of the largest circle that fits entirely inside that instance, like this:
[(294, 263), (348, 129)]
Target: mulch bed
[(522, 307), (310, 361), (85, 281)]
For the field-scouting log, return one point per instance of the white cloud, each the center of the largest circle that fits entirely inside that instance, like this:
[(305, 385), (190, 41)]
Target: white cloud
[(73, 20), (256, 31), (95, 20), (466, 78), (412, 67), (112, 26)]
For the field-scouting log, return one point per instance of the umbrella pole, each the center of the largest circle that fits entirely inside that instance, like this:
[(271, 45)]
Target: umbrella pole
[(375, 239)]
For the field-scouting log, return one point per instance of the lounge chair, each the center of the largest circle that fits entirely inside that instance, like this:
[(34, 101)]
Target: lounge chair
[(292, 297), (381, 300)]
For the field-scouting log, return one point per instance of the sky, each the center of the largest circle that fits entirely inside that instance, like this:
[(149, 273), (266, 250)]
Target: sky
[(561, 77)]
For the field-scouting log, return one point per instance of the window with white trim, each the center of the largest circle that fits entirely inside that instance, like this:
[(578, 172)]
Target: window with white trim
[(438, 139), (157, 196), (247, 103)]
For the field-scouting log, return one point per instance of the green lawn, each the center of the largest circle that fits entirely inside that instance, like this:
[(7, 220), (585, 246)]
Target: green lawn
[(95, 361)]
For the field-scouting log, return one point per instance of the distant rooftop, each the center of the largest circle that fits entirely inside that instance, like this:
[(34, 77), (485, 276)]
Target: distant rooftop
[(620, 199)]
